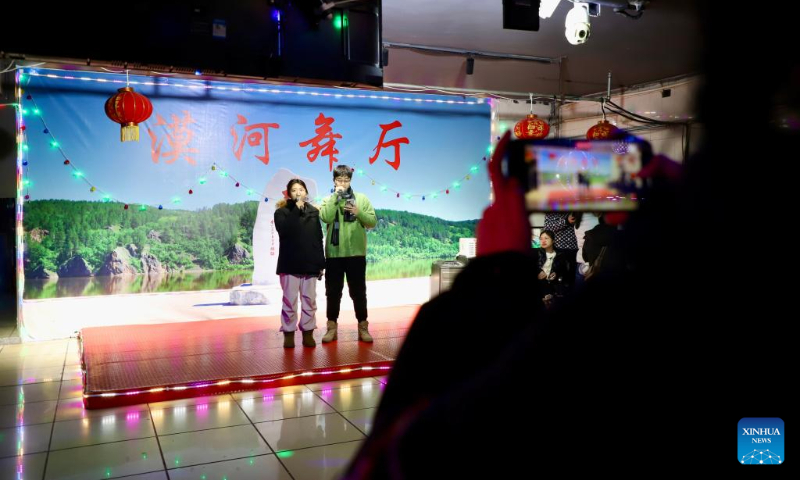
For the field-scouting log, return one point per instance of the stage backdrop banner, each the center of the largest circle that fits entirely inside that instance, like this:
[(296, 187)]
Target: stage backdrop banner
[(190, 205)]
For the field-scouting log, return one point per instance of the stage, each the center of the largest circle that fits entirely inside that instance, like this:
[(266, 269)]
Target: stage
[(58, 318), (132, 364)]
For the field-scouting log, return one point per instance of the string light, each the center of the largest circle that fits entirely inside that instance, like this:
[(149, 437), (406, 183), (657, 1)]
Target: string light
[(262, 90), (474, 169)]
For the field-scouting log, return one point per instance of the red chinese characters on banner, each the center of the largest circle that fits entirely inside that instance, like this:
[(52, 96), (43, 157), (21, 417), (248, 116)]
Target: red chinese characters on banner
[(324, 143), (178, 136), (254, 134), (392, 143)]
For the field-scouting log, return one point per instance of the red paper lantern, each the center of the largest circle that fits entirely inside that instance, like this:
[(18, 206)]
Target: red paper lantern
[(602, 131), (531, 127), (128, 108)]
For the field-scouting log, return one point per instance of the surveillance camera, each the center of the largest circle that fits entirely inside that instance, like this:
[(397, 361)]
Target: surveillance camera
[(577, 26)]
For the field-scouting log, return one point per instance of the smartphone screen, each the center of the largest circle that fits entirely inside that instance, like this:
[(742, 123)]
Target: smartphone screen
[(581, 175)]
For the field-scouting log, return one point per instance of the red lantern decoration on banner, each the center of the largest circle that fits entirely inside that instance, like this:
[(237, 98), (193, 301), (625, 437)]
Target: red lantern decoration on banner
[(531, 127), (128, 108), (602, 131)]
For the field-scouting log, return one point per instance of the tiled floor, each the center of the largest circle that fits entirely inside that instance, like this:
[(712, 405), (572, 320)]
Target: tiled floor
[(300, 432)]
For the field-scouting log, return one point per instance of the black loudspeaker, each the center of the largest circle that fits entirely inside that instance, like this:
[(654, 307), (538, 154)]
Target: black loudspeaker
[(521, 15)]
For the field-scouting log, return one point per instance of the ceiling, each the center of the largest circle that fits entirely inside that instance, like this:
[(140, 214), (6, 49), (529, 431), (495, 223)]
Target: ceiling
[(663, 43)]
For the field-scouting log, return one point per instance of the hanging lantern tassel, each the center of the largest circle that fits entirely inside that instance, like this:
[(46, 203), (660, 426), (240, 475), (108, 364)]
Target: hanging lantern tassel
[(129, 109), (129, 133)]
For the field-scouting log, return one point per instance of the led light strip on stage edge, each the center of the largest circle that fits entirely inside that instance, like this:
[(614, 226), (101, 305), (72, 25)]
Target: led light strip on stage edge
[(221, 383)]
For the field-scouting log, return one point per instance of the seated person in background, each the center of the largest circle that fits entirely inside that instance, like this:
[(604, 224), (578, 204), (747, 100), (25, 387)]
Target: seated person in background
[(554, 275), (564, 225)]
